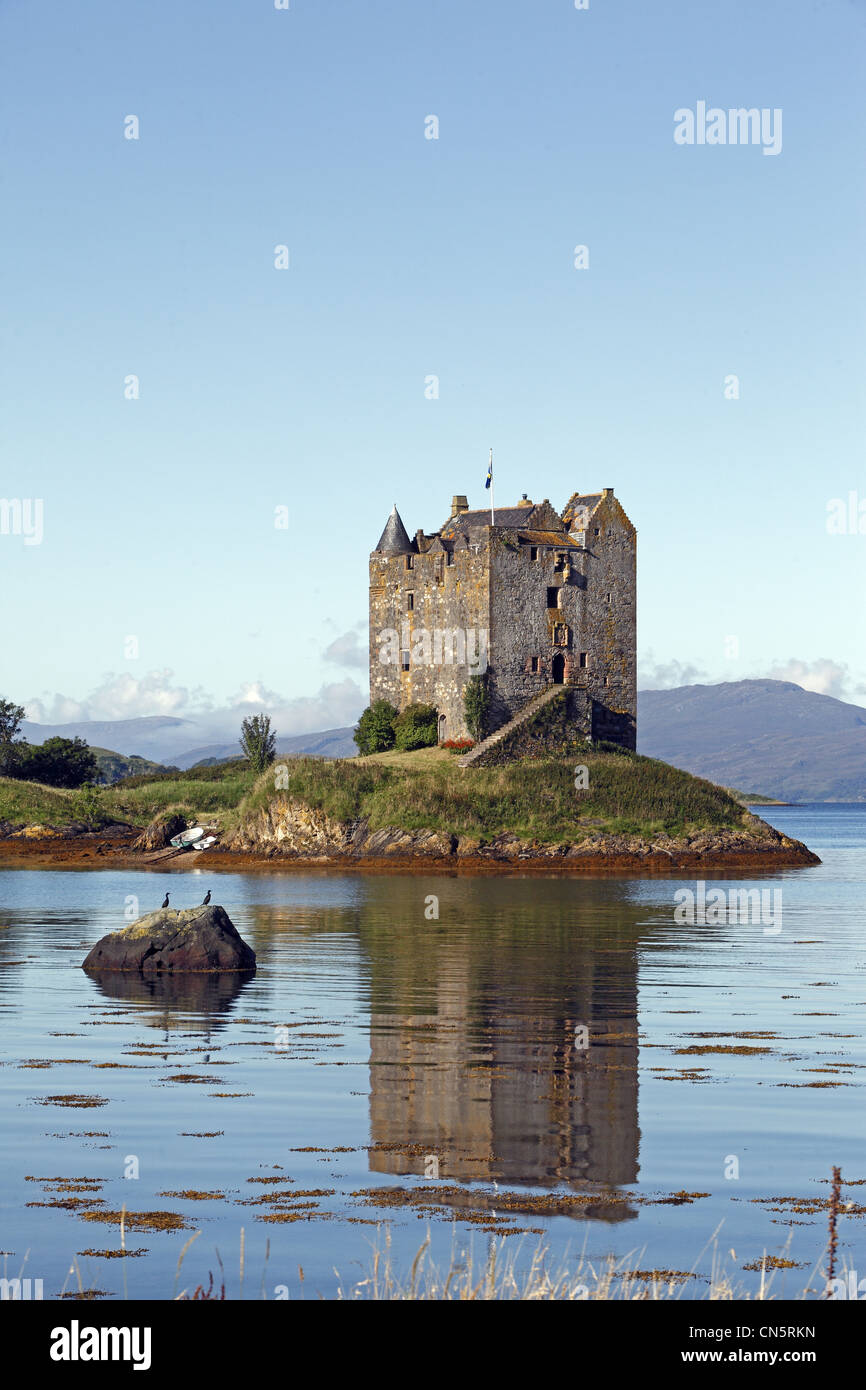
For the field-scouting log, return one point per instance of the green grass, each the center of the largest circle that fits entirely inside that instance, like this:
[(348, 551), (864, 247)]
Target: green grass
[(533, 799), (29, 803), (198, 793)]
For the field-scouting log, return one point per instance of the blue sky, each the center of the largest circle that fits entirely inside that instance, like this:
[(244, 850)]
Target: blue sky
[(409, 258)]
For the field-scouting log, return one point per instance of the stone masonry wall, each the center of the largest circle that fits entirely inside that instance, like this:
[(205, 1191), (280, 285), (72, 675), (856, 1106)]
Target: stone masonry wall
[(607, 626), (445, 597), (560, 728)]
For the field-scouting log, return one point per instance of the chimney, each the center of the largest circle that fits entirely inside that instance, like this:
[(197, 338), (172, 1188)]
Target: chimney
[(458, 504), (607, 492), (524, 501)]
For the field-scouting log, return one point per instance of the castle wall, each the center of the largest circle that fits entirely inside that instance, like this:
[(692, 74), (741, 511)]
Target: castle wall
[(607, 628), (446, 599), (522, 626)]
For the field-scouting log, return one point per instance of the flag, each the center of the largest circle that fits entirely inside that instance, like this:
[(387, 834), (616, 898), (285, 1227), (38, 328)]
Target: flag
[(489, 479)]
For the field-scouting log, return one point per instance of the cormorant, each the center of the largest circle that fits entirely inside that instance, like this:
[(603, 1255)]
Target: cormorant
[(206, 898), (165, 904)]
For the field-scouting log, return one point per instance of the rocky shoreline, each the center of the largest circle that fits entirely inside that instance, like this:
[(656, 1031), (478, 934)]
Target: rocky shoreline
[(292, 835)]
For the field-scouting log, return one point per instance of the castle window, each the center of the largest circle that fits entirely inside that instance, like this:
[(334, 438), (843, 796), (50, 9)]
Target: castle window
[(404, 660), (609, 597), (553, 598), (439, 569), (536, 665), (559, 563), (596, 531), (533, 552), (581, 660), (410, 602), (449, 559), (410, 562)]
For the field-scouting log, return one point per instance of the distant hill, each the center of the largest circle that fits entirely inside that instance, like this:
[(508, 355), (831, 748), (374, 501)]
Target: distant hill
[(765, 736), (331, 743), (154, 736), (166, 739), (114, 766)]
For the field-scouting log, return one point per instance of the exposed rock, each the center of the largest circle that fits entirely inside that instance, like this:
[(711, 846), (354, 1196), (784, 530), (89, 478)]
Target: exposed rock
[(193, 940), (160, 831), (291, 829)]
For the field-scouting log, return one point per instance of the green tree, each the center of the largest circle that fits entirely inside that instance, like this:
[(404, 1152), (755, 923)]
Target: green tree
[(374, 732), (257, 741), (58, 762), (10, 727), (416, 727), (476, 704)]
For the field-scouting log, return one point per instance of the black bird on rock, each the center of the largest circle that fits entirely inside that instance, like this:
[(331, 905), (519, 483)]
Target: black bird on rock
[(165, 903), (206, 899)]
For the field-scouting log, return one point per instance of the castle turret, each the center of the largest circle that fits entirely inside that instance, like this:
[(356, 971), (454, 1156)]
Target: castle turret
[(394, 540)]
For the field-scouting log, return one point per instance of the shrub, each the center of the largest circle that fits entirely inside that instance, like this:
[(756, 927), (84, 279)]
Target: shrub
[(416, 727), (476, 703), (375, 729), (89, 807)]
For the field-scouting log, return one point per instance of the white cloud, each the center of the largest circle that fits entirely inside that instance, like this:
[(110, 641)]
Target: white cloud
[(121, 697), (666, 675), (336, 704), (824, 677), (348, 649)]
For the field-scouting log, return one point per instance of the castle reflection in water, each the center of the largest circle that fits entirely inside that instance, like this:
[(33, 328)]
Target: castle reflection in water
[(478, 1032)]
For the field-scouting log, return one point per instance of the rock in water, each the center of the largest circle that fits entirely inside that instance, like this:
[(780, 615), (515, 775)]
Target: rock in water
[(194, 940)]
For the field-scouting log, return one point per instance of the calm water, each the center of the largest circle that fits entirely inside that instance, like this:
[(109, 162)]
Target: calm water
[(410, 1043)]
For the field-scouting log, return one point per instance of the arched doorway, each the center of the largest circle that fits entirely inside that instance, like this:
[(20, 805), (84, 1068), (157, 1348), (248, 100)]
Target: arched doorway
[(557, 667), (442, 726)]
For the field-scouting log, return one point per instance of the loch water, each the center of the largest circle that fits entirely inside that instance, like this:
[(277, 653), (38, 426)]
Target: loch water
[(528, 1059)]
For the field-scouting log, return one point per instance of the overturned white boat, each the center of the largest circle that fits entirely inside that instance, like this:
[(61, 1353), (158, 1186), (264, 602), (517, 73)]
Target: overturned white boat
[(188, 838)]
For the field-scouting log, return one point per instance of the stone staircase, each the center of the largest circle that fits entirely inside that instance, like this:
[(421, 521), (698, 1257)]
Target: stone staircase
[(529, 709)]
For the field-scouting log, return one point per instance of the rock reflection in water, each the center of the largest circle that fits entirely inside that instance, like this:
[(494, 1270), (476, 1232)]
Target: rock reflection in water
[(173, 1001)]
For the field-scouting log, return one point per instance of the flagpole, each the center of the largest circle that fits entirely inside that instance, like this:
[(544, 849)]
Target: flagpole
[(492, 503)]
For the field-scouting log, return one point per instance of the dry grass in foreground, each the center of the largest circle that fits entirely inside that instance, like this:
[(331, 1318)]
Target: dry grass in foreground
[(501, 1276)]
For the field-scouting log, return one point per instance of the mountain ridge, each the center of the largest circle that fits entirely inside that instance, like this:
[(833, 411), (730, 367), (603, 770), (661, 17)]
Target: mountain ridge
[(765, 736)]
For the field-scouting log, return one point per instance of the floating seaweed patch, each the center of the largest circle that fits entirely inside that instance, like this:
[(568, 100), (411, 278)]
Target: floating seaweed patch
[(140, 1220), (75, 1102), (113, 1254)]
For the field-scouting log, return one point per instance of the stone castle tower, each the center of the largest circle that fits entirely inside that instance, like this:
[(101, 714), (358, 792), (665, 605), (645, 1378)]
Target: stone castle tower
[(535, 600)]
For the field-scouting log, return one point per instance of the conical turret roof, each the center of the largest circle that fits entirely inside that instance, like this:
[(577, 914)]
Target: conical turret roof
[(394, 539)]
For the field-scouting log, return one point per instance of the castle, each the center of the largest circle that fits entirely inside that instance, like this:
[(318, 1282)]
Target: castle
[(533, 599)]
